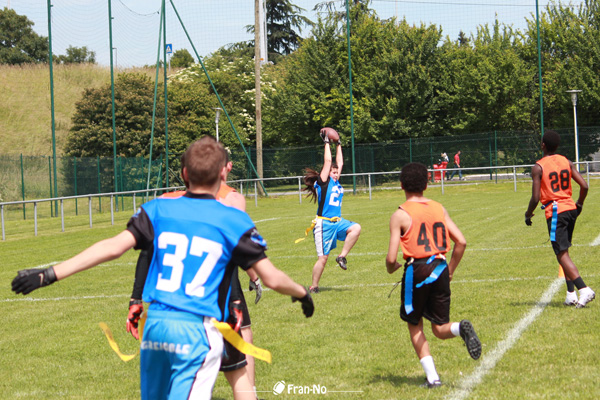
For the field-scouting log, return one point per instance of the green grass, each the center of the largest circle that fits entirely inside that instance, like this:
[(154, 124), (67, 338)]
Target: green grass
[(52, 347)]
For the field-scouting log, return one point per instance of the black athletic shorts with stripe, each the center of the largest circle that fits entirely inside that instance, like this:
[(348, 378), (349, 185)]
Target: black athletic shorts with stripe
[(431, 301), (565, 225)]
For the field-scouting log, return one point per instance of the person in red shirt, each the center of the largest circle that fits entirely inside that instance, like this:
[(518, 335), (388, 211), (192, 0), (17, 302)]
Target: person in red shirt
[(552, 185), (456, 165), (423, 229)]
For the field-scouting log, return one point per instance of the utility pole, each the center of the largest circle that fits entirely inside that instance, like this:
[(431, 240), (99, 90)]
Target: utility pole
[(257, 63)]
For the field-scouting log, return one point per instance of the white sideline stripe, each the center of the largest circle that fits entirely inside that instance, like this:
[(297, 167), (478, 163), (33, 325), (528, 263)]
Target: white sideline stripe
[(29, 299), (596, 241), (490, 359)]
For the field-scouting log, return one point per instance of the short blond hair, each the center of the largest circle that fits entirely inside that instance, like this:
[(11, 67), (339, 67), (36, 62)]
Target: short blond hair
[(204, 161)]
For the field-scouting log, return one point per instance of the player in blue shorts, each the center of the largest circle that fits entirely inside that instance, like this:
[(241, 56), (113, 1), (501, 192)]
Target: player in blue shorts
[(197, 244), (324, 188)]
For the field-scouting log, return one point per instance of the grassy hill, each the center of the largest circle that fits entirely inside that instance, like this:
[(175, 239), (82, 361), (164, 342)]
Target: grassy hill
[(25, 118)]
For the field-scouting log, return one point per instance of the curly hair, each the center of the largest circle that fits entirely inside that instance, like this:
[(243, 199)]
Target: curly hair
[(413, 177), (552, 140)]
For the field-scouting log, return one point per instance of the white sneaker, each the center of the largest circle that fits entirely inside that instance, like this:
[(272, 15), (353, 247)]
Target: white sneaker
[(571, 299), (585, 296)]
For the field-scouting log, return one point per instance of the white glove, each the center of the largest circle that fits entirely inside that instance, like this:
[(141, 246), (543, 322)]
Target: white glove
[(258, 287)]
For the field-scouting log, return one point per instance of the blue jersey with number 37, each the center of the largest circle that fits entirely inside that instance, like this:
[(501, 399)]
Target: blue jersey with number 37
[(197, 243), (329, 195)]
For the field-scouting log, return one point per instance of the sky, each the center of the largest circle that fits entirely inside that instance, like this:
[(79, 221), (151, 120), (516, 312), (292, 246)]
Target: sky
[(215, 23)]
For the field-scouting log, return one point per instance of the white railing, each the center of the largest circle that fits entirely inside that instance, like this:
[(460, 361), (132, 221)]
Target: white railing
[(511, 174)]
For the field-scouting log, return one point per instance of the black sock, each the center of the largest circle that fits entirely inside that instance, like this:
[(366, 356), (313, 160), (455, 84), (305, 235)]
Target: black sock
[(570, 285), (579, 283)]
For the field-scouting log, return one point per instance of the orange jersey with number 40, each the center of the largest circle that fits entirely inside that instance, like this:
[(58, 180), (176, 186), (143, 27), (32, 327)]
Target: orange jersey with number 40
[(427, 235)]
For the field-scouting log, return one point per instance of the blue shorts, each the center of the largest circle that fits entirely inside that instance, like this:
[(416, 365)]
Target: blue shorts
[(327, 233), (180, 356)]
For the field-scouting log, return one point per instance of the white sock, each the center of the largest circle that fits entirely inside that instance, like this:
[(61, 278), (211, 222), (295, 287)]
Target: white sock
[(429, 368), (455, 328)]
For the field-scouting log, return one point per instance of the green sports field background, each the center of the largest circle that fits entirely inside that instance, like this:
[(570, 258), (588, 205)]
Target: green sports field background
[(355, 344)]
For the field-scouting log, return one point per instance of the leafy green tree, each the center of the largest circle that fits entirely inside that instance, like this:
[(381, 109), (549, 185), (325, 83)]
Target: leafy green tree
[(91, 134), (19, 44), (182, 59), (77, 55)]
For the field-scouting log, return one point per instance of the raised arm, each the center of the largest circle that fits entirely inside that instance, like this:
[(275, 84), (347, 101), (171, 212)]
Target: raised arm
[(339, 158), (326, 162)]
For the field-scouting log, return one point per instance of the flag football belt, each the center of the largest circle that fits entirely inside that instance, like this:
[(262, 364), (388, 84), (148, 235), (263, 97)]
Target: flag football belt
[(226, 330), (409, 276), (554, 221), (314, 222)]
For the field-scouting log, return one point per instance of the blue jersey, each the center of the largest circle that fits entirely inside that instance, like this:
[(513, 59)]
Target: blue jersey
[(197, 244), (329, 195)]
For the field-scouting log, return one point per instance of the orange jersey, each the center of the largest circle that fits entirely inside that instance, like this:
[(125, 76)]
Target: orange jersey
[(173, 195), (224, 190), (427, 235), (556, 183)]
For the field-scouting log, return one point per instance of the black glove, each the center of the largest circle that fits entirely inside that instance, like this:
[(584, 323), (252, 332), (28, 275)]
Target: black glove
[(236, 317), (136, 308), (324, 136), (579, 208), (308, 307), (258, 287), (27, 280), (528, 221)]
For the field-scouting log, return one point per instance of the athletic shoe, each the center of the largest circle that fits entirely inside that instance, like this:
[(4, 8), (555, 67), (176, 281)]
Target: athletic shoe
[(467, 333), (342, 262), (431, 385), (314, 289), (571, 299), (585, 296)]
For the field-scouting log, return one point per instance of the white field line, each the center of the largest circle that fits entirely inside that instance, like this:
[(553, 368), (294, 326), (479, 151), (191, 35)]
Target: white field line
[(596, 241), (490, 359)]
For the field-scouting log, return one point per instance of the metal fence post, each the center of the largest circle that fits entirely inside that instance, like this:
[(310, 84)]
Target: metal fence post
[(112, 214), (2, 217), (62, 216), (35, 218), (515, 177), (255, 194), (90, 209), (370, 198), (299, 191)]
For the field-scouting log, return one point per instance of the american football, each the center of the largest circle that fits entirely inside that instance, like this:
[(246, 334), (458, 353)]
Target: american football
[(331, 134)]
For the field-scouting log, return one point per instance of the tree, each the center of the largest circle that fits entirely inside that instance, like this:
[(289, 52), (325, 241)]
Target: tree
[(182, 59), (77, 55), (19, 44), (284, 26)]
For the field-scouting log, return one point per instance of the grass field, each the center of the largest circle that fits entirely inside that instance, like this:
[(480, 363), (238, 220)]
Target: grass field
[(355, 345)]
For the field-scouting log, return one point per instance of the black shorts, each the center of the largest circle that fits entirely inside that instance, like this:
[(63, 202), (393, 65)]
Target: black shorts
[(233, 358), (431, 301), (565, 225)]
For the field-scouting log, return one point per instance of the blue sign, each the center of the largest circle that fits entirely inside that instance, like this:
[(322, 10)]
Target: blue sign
[(169, 48)]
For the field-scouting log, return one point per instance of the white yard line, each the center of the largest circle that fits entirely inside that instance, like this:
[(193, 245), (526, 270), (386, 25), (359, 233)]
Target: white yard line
[(490, 359), (596, 241)]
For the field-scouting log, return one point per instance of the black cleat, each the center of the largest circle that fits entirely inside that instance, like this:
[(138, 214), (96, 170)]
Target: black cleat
[(467, 333), (342, 262), (314, 289), (431, 385)]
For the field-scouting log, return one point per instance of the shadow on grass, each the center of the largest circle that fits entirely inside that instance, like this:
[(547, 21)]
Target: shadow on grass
[(398, 380)]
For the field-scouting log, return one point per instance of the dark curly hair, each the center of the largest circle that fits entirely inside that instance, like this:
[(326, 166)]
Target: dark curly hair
[(552, 140), (413, 177)]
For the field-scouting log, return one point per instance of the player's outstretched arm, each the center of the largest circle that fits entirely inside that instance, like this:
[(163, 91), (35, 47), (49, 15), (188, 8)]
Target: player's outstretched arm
[(105, 250), (339, 157), (460, 244), (277, 280)]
